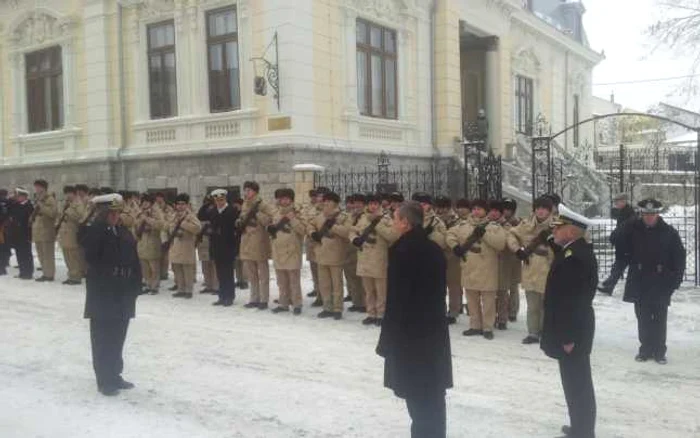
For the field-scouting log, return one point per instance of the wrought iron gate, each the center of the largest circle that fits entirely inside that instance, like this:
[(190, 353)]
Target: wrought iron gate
[(483, 171)]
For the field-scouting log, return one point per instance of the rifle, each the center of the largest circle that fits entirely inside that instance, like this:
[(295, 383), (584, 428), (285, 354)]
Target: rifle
[(249, 217), (325, 228), (471, 241), (274, 229), (200, 236), (367, 231), (534, 243), (63, 217), (166, 245), (34, 214)]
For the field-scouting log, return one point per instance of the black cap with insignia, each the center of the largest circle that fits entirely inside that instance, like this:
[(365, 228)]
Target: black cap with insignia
[(650, 206)]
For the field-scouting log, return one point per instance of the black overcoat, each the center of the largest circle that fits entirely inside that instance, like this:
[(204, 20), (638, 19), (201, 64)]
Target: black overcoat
[(113, 277), (414, 339), (656, 258), (568, 301), (223, 243), (18, 228)]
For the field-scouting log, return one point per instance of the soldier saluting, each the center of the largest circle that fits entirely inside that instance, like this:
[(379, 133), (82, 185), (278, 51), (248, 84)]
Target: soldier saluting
[(569, 320), (113, 282)]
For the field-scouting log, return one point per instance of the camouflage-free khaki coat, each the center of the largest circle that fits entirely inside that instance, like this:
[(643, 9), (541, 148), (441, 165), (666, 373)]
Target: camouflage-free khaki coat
[(310, 212), (182, 250), (68, 231), (373, 258), (480, 265), (534, 273), (334, 246), (430, 220), (149, 245), (255, 241), (288, 243), (44, 225)]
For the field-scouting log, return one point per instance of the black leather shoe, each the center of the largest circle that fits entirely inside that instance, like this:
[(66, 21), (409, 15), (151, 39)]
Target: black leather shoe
[(280, 309), (218, 303), (297, 311), (251, 305), (187, 296), (243, 285), (262, 306), (43, 279), (228, 303), (358, 309), (368, 321), (337, 315), (488, 335), (312, 294), (325, 314), (25, 277), (451, 320), (641, 357), (174, 288), (472, 332), (109, 392), (502, 326), (179, 295), (531, 340), (123, 384)]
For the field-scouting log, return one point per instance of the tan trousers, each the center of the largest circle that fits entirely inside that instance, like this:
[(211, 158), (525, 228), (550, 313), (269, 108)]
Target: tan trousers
[(289, 284), (73, 263), (211, 281), (482, 309), (314, 274), (46, 252), (354, 283), (535, 312), (151, 273), (454, 286), (375, 296), (502, 311), (514, 299), (330, 283), (258, 274), (183, 277)]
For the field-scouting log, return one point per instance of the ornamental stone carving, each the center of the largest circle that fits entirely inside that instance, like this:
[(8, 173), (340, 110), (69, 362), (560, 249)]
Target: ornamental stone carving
[(38, 28), (525, 61), (387, 10)]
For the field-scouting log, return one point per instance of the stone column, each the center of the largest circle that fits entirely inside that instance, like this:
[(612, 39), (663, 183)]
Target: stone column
[(304, 180), (493, 95)]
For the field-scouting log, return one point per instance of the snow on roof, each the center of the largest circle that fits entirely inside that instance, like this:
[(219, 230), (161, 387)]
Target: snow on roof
[(688, 137)]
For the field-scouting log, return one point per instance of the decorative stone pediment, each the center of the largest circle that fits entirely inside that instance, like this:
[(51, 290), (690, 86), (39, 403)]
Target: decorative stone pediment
[(387, 10), (525, 61), (38, 28)]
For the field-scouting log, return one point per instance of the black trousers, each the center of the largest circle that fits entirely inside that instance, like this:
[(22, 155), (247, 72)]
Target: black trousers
[(25, 259), (4, 256), (224, 272), (107, 337), (652, 316), (580, 396), (616, 272), (428, 415)]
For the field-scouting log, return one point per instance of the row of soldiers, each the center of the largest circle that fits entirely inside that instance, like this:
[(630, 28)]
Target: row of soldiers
[(490, 251)]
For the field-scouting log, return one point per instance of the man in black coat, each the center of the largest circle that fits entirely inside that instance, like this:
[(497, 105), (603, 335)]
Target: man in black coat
[(223, 246), (569, 320), (19, 232), (624, 214), (113, 282), (414, 339), (656, 258), (4, 245)]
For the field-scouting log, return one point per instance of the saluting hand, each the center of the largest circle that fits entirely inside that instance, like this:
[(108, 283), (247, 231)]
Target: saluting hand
[(568, 348)]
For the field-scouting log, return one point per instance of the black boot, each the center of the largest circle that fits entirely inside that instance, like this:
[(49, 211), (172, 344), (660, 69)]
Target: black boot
[(174, 288), (312, 294), (347, 299), (368, 321), (325, 314), (473, 332), (251, 305), (317, 303), (531, 339), (280, 309), (297, 311), (262, 306)]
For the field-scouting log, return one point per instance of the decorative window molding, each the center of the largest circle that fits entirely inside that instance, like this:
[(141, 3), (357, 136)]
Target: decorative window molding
[(31, 31)]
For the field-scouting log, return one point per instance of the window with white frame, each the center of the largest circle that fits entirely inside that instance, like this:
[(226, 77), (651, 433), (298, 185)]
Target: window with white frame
[(162, 76), (224, 67), (44, 76), (524, 106), (376, 70)]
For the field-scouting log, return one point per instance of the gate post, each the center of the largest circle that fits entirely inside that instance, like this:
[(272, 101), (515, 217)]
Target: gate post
[(541, 154), (305, 179), (475, 135), (622, 168), (697, 199)]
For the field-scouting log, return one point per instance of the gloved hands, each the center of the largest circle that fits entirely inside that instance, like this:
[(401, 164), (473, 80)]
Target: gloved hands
[(522, 254), (479, 231), (459, 251), (316, 236), (357, 241)]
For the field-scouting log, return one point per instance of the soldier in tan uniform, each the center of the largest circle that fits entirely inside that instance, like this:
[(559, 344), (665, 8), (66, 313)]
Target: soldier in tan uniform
[(73, 210), (149, 224), (372, 235), (211, 281), (355, 206), (395, 201), (443, 209), (495, 215), (463, 208), (529, 242), (433, 226), (514, 266), (168, 213), (238, 271), (477, 242), (287, 232), (331, 229), (43, 223), (255, 250), (314, 208), (183, 232)]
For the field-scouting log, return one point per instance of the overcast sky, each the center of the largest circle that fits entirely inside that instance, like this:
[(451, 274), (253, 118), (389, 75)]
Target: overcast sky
[(618, 27)]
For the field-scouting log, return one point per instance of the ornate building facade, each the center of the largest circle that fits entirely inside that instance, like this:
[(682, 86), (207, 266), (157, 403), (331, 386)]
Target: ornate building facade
[(189, 94)]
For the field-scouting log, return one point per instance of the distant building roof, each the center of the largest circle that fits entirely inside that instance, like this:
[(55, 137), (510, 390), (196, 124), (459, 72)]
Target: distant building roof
[(565, 15)]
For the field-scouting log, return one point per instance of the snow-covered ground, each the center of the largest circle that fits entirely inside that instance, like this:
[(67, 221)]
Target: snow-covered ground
[(211, 372)]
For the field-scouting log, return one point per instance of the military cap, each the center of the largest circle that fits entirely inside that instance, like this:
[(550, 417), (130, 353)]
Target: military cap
[(480, 203), (510, 204), (384, 196), (112, 201), (331, 196), (443, 202), (359, 197), (219, 193), (422, 197), (650, 206), (543, 202), (159, 195), (495, 204), (372, 197), (570, 217), (621, 197), (279, 193), (182, 197), (41, 183), (21, 191), (252, 185), (463, 203), (396, 197), (320, 191), (68, 189), (289, 193), (556, 199), (82, 188), (284, 193), (147, 197)]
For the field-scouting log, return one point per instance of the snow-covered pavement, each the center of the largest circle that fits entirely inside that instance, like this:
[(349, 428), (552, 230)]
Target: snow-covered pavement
[(212, 372)]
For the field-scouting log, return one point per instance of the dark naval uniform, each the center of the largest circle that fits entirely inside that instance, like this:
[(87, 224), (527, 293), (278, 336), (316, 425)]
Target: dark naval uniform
[(569, 319), (113, 282)]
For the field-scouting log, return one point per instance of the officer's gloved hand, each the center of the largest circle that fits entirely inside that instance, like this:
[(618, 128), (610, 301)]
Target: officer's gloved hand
[(429, 230), (479, 231), (357, 241), (316, 236), (521, 254), (459, 251), (272, 230)]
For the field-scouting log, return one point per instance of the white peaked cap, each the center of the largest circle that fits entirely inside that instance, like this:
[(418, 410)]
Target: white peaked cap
[(218, 192), (569, 217)]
